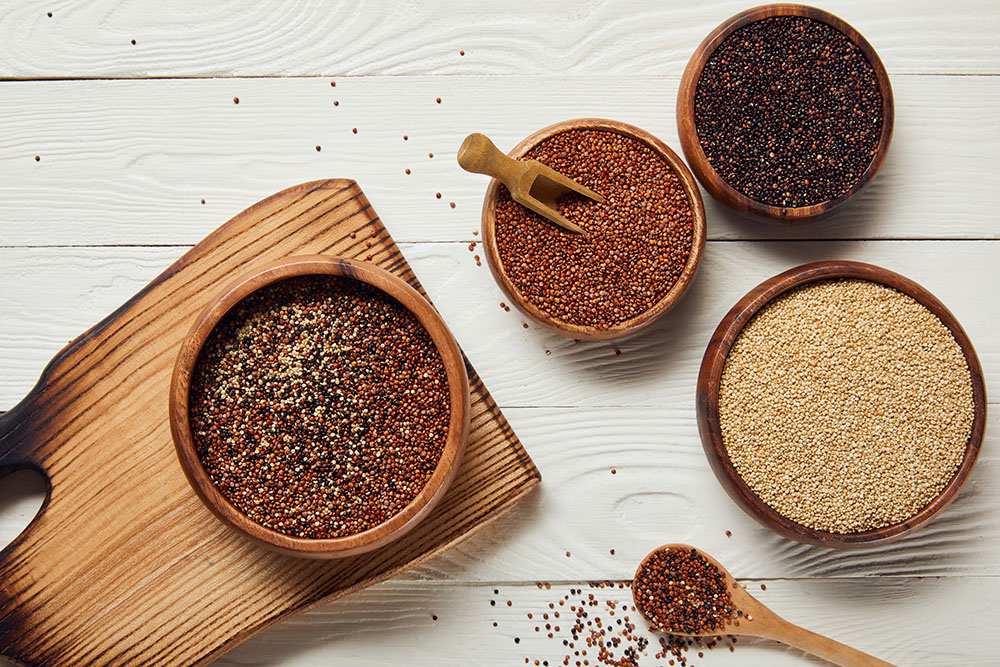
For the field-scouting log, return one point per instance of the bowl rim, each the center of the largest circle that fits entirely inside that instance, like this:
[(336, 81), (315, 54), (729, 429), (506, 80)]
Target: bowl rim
[(268, 274), (710, 374), (691, 144), (669, 300)]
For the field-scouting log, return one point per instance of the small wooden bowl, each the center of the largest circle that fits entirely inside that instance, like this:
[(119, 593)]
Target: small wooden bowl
[(668, 301), (710, 376), (458, 427), (691, 145)]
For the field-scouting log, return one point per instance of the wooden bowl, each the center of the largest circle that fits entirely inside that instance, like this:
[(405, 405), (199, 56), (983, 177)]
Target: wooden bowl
[(710, 376), (458, 427), (691, 145), (634, 324)]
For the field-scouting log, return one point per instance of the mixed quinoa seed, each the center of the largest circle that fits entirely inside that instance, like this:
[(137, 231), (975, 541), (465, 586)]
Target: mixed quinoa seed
[(594, 626), (846, 405), (788, 111), (679, 590), (638, 241), (319, 406)]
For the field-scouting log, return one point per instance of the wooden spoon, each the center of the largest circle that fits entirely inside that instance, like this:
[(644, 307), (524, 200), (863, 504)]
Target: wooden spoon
[(759, 621), (531, 183)]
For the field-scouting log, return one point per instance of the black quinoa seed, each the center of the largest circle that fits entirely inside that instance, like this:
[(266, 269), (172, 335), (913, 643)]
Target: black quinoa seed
[(788, 111)]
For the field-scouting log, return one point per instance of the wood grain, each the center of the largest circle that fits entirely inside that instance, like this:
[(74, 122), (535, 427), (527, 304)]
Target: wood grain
[(664, 489), (134, 159), (123, 564), (657, 310), (389, 624), (304, 37), (688, 131)]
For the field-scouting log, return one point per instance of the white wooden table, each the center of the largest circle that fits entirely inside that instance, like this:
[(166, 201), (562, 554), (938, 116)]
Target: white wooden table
[(131, 139)]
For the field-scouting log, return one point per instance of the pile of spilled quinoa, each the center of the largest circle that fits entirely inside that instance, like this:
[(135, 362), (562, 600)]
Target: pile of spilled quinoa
[(846, 405), (679, 590), (319, 406), (638, 240), (788, 111), (595, 627)]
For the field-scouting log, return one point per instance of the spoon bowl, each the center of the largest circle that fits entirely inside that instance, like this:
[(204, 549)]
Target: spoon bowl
[(751, 618)]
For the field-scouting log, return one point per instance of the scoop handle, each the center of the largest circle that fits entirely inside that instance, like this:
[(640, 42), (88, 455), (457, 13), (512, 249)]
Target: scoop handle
[(479, 155), (822, 647)]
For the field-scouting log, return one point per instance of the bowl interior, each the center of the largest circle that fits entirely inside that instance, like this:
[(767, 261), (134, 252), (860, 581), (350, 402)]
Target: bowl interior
[(458, 391), (691, 144), (669, 299), (710, 376)]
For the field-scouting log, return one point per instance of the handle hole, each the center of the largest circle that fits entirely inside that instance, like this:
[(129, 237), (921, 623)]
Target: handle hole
[(22, 495)]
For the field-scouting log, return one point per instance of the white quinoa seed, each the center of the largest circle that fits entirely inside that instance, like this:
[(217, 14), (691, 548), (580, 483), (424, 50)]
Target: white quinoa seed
[(846, 405)]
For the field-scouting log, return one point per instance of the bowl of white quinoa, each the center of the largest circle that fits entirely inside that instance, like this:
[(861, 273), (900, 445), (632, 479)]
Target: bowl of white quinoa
[(841, 404)]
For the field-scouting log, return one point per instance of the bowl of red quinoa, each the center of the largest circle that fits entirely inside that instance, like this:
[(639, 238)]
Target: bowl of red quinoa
[(643, 243), (841, 404), (785, 111), (320, 406)]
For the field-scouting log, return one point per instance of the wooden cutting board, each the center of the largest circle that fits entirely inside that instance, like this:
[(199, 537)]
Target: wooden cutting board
[(124, 565)]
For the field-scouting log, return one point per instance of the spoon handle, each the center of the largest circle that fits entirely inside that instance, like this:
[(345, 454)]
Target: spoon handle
[(481, 156), (823, 647)]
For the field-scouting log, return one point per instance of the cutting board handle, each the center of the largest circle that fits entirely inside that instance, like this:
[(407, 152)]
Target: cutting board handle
[(16, 448)]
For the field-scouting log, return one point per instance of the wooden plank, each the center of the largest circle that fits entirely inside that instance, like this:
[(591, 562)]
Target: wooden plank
[(296, 37), (658, 368), (898, 619), (124, 565), (134, 159), (663, 491)]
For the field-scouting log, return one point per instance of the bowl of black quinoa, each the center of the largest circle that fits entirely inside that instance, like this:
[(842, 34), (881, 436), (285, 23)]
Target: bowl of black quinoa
[(786, 112), (320, 406)]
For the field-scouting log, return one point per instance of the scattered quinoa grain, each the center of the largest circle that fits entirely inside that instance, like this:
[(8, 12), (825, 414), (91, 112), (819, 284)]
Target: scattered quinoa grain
[(236, 100)]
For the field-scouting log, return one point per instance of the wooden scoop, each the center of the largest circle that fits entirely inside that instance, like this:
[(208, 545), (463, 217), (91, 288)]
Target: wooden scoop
[(759, 621), (531, 183)]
